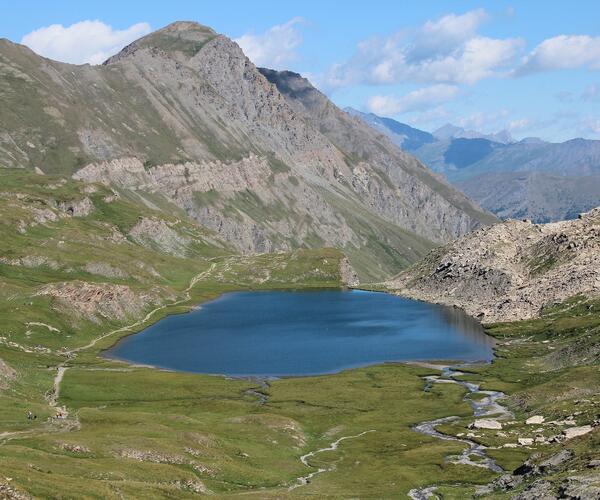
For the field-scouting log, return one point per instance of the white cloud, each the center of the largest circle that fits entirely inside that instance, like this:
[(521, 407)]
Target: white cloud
[(275, 46), (430, 117), (416, 100), (83, 42), (563, 52), (484, 121), (447, 50), (442, 35), (518, 124), (588, 126)]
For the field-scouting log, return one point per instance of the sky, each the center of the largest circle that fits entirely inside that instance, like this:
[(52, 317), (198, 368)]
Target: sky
[(531, 67)]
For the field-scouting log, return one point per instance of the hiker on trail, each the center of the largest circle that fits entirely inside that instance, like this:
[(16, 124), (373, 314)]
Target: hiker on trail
[(29, 415)]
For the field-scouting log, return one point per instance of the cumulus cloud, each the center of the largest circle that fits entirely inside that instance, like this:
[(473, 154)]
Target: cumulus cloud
[(83, 42), (442, 35), (275, 46), (484, 121), (583, 126), (447, 50), (417, 100), (562, 52)]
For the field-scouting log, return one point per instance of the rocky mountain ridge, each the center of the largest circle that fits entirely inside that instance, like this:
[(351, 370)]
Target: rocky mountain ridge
[(510, 271), (182, 118)]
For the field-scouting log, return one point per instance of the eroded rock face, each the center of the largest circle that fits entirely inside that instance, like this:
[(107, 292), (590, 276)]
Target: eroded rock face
[(31, 261), (104, 269), (7, 374), (156, 233), (512, 270), (96, 301), (348, 274), (76, 208)]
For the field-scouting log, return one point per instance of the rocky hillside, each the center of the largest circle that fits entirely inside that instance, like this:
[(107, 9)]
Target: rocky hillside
[(510, 271), (181, 116)]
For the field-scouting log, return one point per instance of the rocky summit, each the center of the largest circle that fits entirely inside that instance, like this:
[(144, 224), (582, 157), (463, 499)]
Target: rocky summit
[(184, 121), (510, 271)]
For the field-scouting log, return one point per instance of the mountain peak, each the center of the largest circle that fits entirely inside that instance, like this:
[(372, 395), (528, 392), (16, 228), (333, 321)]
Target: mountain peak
[(186, 27), (449, 131), (183, 37)]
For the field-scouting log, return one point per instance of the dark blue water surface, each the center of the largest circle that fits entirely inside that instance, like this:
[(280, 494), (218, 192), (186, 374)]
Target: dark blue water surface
[(304, 333)]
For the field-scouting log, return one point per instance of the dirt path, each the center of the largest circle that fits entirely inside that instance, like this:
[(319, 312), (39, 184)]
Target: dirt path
[(304, 480), (7, 436), (146, 318), (54, 393), (60, 373)]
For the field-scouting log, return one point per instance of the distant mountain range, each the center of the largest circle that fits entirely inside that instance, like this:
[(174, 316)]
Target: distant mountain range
[(531, 178)]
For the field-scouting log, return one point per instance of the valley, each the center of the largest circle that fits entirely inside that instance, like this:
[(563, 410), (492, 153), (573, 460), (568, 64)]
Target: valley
[(151, 189), (105, 427)]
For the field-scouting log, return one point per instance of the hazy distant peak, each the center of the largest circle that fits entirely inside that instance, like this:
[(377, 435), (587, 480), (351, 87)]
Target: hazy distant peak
[(449, 131), (532, 140)]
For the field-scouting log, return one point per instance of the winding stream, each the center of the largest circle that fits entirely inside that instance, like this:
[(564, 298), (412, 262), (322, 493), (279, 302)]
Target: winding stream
[(487, 406), (304, 480)]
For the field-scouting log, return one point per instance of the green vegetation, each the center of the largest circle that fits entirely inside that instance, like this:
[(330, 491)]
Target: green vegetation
[(141, 432)]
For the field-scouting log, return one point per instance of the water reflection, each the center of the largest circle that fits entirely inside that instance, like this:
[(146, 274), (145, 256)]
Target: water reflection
[(465, 325)]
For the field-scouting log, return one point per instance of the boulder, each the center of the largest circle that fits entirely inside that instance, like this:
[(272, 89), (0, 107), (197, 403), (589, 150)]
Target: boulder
[(525, 441), (573, 432), (560, 458), (485, 423), (536, 419)]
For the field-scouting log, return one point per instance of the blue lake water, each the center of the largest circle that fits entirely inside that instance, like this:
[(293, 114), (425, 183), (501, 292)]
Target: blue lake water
[(271, 333)]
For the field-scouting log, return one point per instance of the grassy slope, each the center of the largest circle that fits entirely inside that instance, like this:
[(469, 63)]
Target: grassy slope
[(185, 430), (147, 433), (550, 367)]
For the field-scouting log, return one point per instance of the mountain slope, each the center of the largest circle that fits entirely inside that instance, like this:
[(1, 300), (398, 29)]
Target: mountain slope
[(511, 271), (530, 179), (183, 116)]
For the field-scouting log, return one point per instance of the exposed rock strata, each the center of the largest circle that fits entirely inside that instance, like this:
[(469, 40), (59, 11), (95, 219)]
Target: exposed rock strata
[(93, 301), (157, 234)]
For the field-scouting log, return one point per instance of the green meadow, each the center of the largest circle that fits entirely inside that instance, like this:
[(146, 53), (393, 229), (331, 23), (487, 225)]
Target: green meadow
[(139, 432)]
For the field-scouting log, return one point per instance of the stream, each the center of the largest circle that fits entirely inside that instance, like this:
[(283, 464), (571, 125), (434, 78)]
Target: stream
[(485, 407), (304, 480)]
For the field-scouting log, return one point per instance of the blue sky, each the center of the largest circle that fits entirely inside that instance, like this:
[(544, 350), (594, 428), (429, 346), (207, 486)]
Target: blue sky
[(532, 67)]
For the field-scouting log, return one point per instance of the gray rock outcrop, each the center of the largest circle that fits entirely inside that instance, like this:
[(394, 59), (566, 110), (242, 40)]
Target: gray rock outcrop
[(512, 270)]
